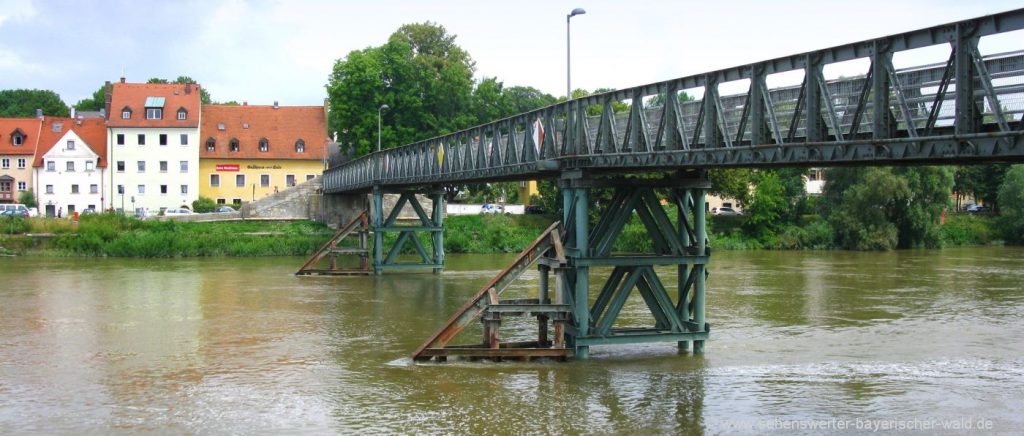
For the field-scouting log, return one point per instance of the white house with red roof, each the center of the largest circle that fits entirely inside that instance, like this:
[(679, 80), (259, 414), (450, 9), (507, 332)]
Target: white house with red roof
[(152, 146), (70, 165)]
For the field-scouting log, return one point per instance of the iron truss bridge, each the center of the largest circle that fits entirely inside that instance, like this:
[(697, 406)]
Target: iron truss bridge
[(966, 109)]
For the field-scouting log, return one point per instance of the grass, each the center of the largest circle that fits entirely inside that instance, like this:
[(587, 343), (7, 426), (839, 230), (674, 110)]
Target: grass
[(118, 236)]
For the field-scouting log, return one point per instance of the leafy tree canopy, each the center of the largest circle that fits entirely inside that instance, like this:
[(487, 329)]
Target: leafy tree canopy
[(204, 95), (22, 103)]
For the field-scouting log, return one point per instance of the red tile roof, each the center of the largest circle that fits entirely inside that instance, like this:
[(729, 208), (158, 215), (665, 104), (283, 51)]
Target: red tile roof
[(134, 95), (282, 127), (28, 126), (92, 130)]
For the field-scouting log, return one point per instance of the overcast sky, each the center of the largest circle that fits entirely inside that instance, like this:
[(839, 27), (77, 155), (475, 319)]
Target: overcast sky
[(261, 51)]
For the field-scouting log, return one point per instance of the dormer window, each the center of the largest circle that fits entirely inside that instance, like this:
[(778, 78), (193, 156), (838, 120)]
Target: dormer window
[(58, 127), (300, 146), (182, 114), (155, 108), (264, 145), (211, 144), (234, 144), (17, 137), (126, 113), (220, 126)]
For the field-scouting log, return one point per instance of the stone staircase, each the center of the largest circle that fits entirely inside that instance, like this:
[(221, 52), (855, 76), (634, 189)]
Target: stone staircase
[(299, 202)]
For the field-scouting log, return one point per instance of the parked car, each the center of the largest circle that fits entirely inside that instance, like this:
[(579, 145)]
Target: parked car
[(177, 211), (492, 208), (725, 211), (224, 209), (534, 209), (13, 213), (16, 210)]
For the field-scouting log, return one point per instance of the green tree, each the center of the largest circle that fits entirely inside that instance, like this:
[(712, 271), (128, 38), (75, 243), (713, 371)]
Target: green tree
[(884, 208), (28, 198), (981, 182), (1011, 199), (21, 103), (203, 205), (420, 73), (732, 183), (767, 208), (94, 103)]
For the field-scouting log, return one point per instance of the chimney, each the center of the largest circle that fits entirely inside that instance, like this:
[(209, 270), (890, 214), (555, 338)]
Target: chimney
[(245, 103), (72, 112), (122, 79), (107, 93), (39, 113), (276, 105)]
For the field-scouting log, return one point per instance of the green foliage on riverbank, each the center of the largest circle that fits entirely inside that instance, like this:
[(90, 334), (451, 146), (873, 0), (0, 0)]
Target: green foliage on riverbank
[(118, 236)]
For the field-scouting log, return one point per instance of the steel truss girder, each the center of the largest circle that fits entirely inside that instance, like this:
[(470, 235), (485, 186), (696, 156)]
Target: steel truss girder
[(407, 234), (848, 114), (682, 244)]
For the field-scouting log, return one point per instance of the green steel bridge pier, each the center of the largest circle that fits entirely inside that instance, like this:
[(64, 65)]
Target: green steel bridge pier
[(964, 108)]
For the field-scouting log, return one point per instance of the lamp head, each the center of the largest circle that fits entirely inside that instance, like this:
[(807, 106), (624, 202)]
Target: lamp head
[(577, 11), (384, 106)]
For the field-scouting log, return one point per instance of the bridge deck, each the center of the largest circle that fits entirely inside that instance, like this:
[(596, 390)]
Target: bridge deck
[(967, 109)]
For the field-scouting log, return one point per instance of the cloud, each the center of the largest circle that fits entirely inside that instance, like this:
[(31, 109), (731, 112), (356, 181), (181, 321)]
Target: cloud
[(13, 10)]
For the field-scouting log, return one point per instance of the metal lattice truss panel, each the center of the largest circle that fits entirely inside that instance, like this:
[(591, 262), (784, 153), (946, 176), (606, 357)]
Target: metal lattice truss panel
[(966, 109)]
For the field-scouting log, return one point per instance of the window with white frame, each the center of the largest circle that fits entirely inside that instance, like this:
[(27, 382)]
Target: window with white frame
[(142, 189), (163, 189), (264, 145), (126, 113), (142, 139), (240, 180), (21, 163), (74, 189), (49, 189), (211, 144), (182, 114), (141, 166), (184, 139), (5, 163), (120, 166), (265, 180), (289, 180), (22, 186), (215, 180), (163, 139), (184, 166), (51, 165), (163, 166), (71, 166), (120, 189), (184, 189), (154, 113), (94, 189), (71, 145), (120, 139), (300, 146), (88, 165)]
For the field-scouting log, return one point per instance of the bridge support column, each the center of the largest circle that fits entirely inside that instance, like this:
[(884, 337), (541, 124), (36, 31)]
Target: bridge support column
[(680, 244), (408, 234)]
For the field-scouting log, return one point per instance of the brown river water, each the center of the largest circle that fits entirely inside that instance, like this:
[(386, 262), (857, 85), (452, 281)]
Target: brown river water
[(800, 341)]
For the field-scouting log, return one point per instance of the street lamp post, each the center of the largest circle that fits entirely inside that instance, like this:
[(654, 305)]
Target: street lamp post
[(381, 108), (568, 58)]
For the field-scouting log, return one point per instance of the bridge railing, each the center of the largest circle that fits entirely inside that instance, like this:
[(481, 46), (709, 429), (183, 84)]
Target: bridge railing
[(968, 107)]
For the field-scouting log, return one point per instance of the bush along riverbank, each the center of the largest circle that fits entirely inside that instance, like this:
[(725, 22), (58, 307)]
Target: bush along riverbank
[(118, 236)]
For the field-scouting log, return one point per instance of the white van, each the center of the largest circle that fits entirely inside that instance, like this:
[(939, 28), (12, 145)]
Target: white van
[(16, 207)]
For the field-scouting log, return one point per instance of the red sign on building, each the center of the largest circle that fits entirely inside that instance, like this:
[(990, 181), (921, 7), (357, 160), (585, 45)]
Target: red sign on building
[(227, 167)]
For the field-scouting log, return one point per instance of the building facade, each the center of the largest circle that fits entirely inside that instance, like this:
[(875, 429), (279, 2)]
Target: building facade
[(250, 152), (70, 166), (18, 141), (152, 146)]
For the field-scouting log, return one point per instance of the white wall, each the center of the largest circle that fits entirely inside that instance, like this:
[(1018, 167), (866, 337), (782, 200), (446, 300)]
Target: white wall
[(61, 180), (152, 153)]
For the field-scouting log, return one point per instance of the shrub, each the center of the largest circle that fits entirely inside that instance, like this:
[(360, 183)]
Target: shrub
[(204, 205)]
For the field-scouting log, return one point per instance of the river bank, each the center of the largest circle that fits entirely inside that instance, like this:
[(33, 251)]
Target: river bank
[(108, 235)]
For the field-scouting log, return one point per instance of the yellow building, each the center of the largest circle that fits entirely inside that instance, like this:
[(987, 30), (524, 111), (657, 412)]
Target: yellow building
[(250, 152)]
